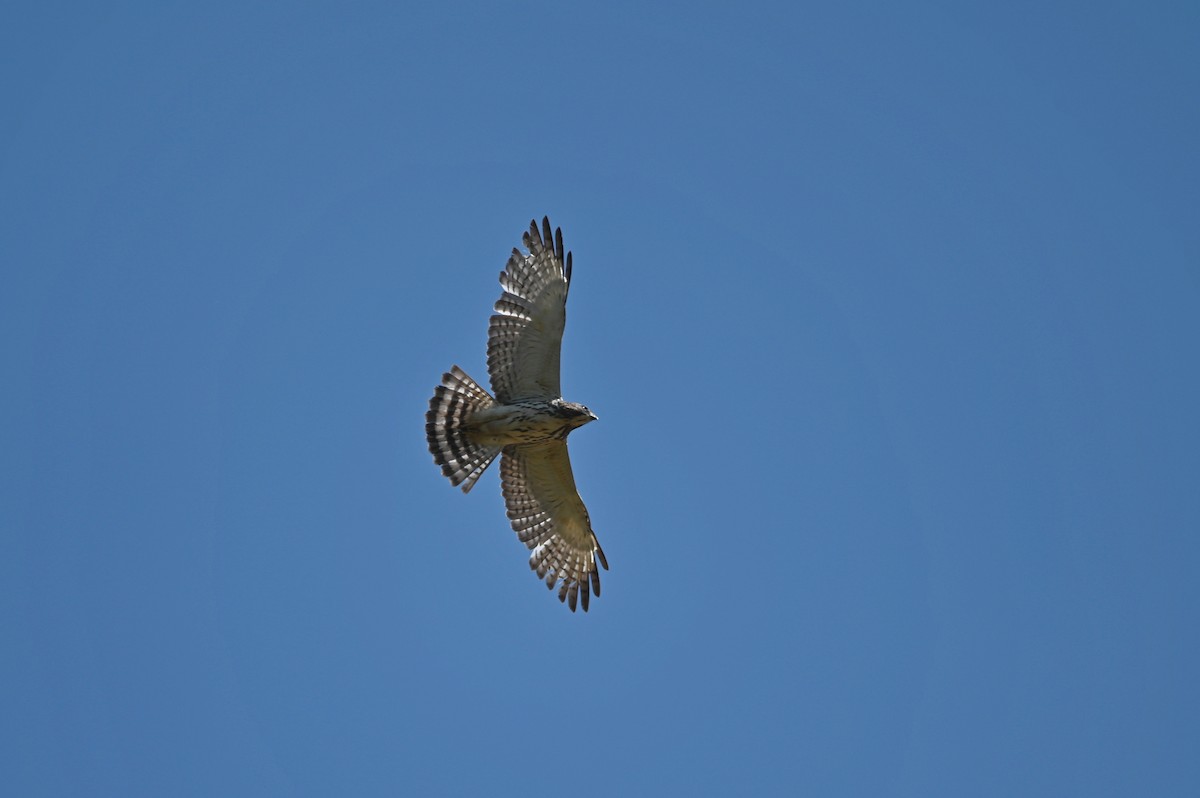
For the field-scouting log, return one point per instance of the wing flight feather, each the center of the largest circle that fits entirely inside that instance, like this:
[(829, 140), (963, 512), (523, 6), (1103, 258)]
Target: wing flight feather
[(525, 333), (550, 519)]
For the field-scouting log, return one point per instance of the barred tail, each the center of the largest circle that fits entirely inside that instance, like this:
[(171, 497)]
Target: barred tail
[(452, 405)]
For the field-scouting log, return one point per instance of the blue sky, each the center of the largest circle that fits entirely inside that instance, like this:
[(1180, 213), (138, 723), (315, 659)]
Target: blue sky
[(889, 314)]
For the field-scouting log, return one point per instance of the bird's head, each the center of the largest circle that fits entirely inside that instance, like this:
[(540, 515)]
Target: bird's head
[(576, 414)]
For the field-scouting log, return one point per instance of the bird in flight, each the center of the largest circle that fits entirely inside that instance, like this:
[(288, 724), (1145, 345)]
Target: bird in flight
[(527, 422)]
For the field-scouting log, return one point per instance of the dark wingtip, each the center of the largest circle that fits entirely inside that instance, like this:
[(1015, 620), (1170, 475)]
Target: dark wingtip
[(567, 269), (547, 237)]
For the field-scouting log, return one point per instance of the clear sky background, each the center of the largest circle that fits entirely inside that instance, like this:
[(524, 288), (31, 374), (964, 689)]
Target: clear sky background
[(889, 313)]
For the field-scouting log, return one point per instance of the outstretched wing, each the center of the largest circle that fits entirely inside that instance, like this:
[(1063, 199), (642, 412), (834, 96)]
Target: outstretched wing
[(525, 334), (549, 517)]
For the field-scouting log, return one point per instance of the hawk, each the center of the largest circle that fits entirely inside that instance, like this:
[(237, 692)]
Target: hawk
[(527, 422)]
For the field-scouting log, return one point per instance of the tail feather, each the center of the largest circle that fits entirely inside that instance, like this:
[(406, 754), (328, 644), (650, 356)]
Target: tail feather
[(454, 401)]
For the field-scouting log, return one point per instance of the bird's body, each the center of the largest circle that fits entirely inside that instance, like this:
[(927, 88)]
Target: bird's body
[(527, 422)]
